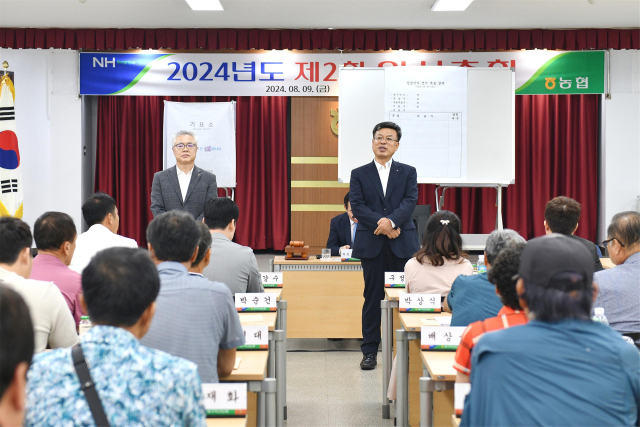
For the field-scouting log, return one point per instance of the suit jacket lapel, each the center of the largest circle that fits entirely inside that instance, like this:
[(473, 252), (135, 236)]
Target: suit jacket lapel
[(195, 177), (393, 178), (173, 179), (372, 171)]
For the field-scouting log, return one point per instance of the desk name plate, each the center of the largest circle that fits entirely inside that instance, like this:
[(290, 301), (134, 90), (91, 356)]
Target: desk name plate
[(256, 302), (255, 338), (271, 280), (394, 279), (225, 400), (440, 337), (419, 303)]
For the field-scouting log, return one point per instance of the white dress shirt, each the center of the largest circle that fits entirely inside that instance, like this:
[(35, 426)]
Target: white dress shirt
[(95, 239), (383, 171), (183, 180), (353, 227)]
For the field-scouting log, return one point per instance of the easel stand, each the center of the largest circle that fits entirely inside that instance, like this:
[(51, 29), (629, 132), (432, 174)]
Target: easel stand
[(498, 187)]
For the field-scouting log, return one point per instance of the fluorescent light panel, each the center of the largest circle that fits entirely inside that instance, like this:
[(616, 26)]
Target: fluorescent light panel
[(450, 5), (205, 4)]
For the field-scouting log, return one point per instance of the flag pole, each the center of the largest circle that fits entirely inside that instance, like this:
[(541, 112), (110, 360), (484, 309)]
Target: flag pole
[(5, 65)]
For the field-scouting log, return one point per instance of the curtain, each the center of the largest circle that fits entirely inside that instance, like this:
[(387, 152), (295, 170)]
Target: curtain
[(245, 39), (129, 152), (556, 155)]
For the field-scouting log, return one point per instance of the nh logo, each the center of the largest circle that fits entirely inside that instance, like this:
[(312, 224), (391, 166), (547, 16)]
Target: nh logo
[(104, 62)]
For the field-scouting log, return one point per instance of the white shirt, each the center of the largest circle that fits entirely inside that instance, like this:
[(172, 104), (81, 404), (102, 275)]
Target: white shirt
[(353, 227), (384, 171), (92, 241), (183, 180), (52, 321)]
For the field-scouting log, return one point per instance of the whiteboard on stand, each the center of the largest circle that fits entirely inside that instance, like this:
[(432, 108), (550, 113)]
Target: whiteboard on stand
[(458, 123)]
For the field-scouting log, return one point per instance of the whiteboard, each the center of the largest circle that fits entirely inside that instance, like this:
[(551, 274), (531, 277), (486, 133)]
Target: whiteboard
[(490, 124), (214, 124)]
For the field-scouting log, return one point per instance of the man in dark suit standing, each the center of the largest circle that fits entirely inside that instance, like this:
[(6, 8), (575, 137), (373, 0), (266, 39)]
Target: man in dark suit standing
[(342, 231), (184, 186), (383, 195)]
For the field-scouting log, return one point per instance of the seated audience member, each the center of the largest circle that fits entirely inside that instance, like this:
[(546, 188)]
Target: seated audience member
[(52, 322), (473, 298), (232, 264), (136, 385), (101, 215), (196, 318), (16, 351), (561, 215), (619, 287), (436, 265), (204, 251), (561, 368), (342, 230), (502, 273), (440, 259), (55, 235)]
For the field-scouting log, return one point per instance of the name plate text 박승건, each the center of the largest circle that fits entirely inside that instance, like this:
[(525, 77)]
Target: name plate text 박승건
[(440, 337), (419, 303), (271, 280), (255, 302), (225, 400), (394, 279)]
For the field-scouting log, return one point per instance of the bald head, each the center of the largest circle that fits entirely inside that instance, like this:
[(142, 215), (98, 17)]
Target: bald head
[(624, 236)]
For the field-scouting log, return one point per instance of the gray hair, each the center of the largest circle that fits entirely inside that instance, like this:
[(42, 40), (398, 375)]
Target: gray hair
[(498, 239), (183, 132)]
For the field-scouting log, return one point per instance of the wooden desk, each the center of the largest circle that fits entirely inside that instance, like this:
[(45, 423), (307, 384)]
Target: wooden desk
[(607, 263), (253, 367), (439, 364), (268, 319), (274, 291), (324, 298), (226, 422), (390, 322), (393, 294), (413, 322)]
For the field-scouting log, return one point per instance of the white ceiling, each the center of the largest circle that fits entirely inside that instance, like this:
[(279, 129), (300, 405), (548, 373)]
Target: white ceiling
[(372, 14)]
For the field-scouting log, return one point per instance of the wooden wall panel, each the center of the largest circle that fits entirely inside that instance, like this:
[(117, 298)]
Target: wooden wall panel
[(318, 196), (311, 137), (311, 133), (310, 172), (312, 227)]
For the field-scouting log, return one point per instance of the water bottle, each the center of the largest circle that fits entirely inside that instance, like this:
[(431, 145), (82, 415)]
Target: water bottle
[(600, 317), (481, 267), (84, 326)]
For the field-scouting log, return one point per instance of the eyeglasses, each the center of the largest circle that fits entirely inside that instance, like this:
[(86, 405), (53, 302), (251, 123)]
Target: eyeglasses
[(388, 139), (606, 242), (189, 146)]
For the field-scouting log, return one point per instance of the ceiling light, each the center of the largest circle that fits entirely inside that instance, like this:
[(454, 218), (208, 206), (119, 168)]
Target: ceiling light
[(450, 5), (205, 4)]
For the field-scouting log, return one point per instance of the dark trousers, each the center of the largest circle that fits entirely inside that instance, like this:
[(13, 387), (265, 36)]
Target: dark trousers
[(373, 270)]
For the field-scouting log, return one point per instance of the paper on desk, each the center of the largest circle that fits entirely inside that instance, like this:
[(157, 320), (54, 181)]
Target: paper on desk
[(237, 365), (428, 322), (443, 320), (249, 318)]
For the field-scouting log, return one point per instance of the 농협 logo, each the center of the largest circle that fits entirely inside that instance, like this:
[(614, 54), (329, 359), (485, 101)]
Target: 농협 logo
[(550, 82)]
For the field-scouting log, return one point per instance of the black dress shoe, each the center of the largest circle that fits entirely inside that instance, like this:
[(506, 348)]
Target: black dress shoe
[(369, 362)]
